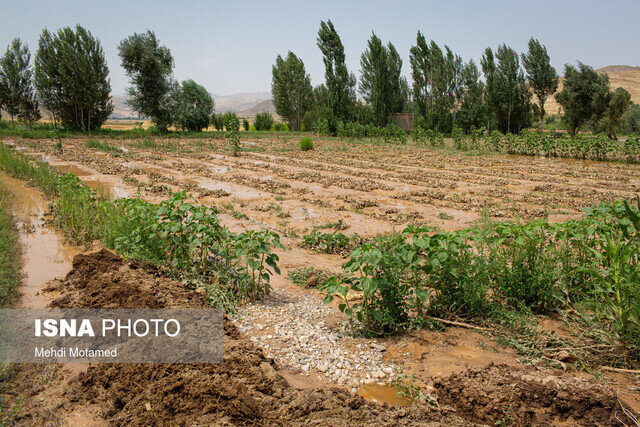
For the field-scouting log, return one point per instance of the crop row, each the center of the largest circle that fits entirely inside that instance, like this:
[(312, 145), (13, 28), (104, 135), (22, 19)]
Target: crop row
[(592, 263)]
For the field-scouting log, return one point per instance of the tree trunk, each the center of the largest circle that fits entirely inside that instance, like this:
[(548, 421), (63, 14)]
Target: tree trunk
[(541, 117)]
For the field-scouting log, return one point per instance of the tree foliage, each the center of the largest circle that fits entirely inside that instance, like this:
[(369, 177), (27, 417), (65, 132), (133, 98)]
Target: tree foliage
[(291, 89), (149, 66), (339, 94), (263, 121), (542, 77), (472, 109), (584, 95), (437, 83), (194, 106), (16, 83), (381, 82), (508, 98), (72, 78), (618, 103)]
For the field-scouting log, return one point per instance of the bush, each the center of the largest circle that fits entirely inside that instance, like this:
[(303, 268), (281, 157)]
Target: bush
[(306, 144), (263, 121)]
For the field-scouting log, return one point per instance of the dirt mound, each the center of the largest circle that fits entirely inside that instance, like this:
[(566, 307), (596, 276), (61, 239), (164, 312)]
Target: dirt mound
[(104, 280), (526, 396)]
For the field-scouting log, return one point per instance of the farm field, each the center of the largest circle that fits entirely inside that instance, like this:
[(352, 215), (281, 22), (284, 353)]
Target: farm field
[(289, 354)]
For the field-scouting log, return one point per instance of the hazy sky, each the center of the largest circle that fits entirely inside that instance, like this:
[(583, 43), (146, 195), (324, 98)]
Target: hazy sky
[(229, 46)]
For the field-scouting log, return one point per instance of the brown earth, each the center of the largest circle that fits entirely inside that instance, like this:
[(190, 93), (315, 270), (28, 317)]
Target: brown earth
[(247, 388)]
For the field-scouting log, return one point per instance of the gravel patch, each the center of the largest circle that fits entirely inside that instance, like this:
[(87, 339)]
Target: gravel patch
[(291, 330)]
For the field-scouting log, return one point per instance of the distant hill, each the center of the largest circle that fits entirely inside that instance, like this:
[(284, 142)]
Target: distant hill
[(624, 76), (237, 102), (263, 106)]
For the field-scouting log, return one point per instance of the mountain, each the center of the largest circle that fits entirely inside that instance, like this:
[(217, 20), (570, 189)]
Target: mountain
[(237, 102), (624, 76), (266, 105)]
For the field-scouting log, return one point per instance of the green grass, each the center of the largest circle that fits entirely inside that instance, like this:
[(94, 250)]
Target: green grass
[(103, 146), (19, 166), (10, 279), (10, 275)]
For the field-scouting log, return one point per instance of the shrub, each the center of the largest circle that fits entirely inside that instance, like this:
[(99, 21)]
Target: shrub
[(306, 144), (263, 121)]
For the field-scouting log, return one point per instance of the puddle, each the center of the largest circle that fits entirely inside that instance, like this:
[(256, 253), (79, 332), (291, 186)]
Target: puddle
[(383, 393), (107, 189), (74, 169), (44, 254)]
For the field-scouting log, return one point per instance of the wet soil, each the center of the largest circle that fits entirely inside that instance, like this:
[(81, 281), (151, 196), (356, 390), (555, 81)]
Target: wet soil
[(247, 388)]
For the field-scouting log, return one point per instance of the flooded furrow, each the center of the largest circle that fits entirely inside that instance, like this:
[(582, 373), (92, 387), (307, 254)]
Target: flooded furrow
[(45, 255)]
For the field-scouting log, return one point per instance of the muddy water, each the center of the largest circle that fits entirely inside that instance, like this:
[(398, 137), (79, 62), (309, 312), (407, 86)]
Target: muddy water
[(383, 393), (45, 256)]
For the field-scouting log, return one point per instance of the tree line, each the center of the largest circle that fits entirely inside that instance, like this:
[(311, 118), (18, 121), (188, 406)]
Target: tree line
[(446, 92), (70, 79)]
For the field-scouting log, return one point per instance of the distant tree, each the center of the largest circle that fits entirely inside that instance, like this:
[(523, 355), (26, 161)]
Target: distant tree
[(584, 96), (263, 121), (149, 66), (340, 95), (231, 120), (542, 77), (509, 98), (218, 121), (245, 124), (488, 65), (437, 87), (194, 106), (72, 78), (619, 102), (631, 119), (291, 90), (381, 82), (472, 108), (16, 83)]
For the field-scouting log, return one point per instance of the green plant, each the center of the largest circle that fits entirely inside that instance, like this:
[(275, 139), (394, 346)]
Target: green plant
[(306, 144), (616, 281), (263, 121), (329, 243), (234, 137), (10, 276), (103, 146), (309, 277)]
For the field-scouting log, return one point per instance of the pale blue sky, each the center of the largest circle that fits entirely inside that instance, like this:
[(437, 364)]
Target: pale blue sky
[(229, 46)]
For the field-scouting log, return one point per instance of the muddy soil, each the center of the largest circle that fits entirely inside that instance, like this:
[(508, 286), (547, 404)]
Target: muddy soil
[(248, 389)]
